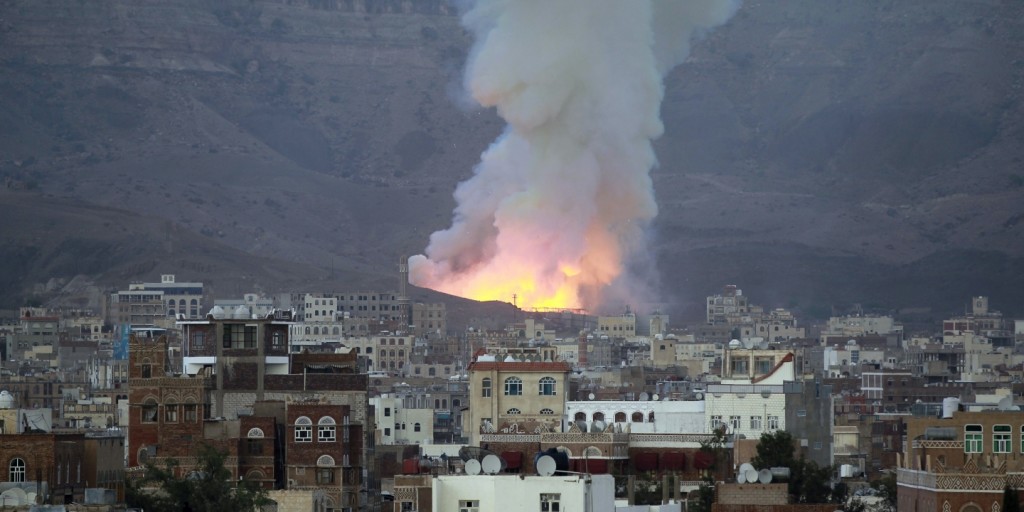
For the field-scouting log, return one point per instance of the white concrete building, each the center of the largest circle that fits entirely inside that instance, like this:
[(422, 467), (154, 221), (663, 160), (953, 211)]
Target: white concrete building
[(259, 306), (684, 416), (752, 399), (517, 493), (399, 425)]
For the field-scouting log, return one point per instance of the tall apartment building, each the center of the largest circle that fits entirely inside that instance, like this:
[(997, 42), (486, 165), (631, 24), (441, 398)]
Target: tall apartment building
[(157, 303)]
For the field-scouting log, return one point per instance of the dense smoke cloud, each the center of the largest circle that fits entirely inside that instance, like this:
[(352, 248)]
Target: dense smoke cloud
[(559, 203)]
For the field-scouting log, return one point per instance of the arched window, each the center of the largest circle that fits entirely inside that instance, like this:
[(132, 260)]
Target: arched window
[(255, 433), (598, 416), (547, 386), (513, 411), (16, 470), (580, 416), (303, 430), (620, 417), (171, 412), (392, 353), (415, 427), (335, 331), (513, 386), (308, 329), (486, 388), (149, 408), (325, 461), (326, 430), (437, 403), (401, 353), (638, 417), (592, 451), (546, 412), (650, 417), (316, 330)]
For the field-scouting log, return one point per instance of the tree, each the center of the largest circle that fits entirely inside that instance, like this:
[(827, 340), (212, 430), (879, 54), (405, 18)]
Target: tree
[(808, 483), (210, 488), (886, 488)]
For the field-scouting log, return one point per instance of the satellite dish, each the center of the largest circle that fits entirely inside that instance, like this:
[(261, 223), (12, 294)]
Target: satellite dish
[(491, 464), (699, 396), (748, 343), (644, 397), (472, 467), (764, 476), (655, 397), (1005, 403), (751, 475), (590, 396), (546, 465), (763, 345), (741, 478), (30, 498), (598, 426), (746, 466)]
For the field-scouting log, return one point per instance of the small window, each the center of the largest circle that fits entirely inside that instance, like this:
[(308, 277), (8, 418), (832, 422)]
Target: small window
[(1001, 442), (486, 388), (973, 439), (303, 430), (16, 470), (149, 411), (513, 386), (416, 427), (550, 502), (546, 412), (513, 411), (547, 386), (326, 430), (171, 412), (469, 505)]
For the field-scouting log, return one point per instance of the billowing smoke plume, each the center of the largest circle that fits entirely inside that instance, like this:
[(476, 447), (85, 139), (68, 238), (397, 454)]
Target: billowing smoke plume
[(559, 203)]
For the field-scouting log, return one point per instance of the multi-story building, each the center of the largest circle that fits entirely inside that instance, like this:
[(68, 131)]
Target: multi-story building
[(398, 424), (750, 400), (961, 461), (429, 319), (515, 389), (730, 303), (257, 305), (323, 451), (157, 303), (621, 326)]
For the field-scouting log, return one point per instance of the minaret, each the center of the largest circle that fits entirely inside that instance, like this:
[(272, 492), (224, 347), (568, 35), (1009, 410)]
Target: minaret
[(404, 304)]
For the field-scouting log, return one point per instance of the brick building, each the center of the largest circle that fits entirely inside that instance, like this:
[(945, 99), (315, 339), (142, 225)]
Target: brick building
[(46, 462), (323, 450)]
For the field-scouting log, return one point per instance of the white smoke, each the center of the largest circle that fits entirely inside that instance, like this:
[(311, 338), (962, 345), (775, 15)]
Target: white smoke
[(559, 203)]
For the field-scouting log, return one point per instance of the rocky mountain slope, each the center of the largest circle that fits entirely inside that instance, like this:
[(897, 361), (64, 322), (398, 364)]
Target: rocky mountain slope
[(815, 153)]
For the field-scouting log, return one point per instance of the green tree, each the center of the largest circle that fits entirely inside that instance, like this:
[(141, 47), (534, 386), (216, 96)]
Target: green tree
[(886, 488), (210, 488), (808, 483)]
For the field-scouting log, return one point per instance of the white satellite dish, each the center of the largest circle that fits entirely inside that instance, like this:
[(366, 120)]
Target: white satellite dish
[(1005, 403), (764, 476), (699, 396), (598, 426), (748, 343), (741, 478), (655, 397), (472, 467), (644, 397), (751, 475), (491, 464), (30, 498), (590, 396), (546, 466), (746, 466), (763, 345)]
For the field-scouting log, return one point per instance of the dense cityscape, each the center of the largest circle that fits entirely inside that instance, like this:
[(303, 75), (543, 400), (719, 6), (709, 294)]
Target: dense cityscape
[(365, 400)]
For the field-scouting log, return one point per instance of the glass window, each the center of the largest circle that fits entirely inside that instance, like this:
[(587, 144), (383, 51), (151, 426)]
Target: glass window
[(973, 439), (303, 430), (734, 422), (513, 411), (326, 430), (171, 412), (486, 387), (550, 502), (773, 422), (1001, 442), (546, 411), (755, 423), (16, 470), (149, 409), (416, 427), (191, 413), (513, 386), (469, 505), (547, 386)]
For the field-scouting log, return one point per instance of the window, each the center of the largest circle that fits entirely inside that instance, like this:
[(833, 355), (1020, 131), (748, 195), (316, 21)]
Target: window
[(149, 411), (239, 336), (416, 427), (190, 413), (547, 386), (973, 442), (734, 422), (773, 422), (716, 421), (546, 411), (171, 412), (277, 340), (513, 411), (550, 502), (387, 411), (16, 470), (387, 431), (303, 430), (326, 430), (324, 476), (513, 386), (198, 340), (637, 417), (255, 446), (486, 387), (469, 505), (755, 423), (1001, 442)]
